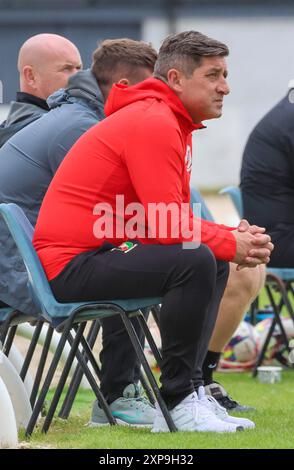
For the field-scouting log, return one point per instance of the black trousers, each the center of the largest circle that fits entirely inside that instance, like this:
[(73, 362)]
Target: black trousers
[(191, 283)]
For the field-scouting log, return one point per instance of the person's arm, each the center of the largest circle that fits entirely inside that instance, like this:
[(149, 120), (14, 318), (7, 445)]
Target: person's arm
[(222, 226), (154, 158), (64, 140)]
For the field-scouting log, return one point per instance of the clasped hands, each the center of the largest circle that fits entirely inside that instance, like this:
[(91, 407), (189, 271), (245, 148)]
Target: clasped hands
[(254, 246)]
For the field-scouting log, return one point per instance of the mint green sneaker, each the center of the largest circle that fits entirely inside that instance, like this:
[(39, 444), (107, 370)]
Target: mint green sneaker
[(130, 410)]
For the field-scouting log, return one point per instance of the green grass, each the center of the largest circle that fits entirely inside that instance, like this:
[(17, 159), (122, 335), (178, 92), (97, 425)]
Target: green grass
[(274, 420)]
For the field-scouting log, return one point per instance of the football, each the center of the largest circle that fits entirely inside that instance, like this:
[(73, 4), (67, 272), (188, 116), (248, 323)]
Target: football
[(276, 342), (241, 351)]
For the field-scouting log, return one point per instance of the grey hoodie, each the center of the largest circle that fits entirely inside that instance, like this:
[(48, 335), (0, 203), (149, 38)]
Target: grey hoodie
[(28, 162)]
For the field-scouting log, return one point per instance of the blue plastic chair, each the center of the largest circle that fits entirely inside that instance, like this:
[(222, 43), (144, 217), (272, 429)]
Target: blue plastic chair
[(196, 198), (66, 317), (6, 316), (277, 279), (236, 197), (9, 321)]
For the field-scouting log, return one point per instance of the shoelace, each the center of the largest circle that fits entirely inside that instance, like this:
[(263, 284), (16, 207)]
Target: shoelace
[(199, 409), (141, 403), (228, 402)]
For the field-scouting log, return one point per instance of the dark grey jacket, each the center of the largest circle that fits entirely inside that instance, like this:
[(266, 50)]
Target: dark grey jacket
[(28, 162), (21, 113)]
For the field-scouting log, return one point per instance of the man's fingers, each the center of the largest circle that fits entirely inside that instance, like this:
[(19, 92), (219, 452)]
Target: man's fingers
[(259, 253), (250, 262), (262, 239), (245, 265), (243, 226), (240, 266), (255, 229), (269, 246), (254, 261)]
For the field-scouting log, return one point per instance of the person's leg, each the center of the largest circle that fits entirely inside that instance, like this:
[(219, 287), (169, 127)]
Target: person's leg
[(221, 282), (120, 373), (242, 288), (184, 324), (282, 236), (117, 375), (184, 278), (207, 409)]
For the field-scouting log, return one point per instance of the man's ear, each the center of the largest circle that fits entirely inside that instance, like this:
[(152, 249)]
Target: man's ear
[(174, 80), (124, 81), (29, 75)]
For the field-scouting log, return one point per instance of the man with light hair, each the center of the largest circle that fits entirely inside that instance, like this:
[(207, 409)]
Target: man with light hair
[(45, 63)]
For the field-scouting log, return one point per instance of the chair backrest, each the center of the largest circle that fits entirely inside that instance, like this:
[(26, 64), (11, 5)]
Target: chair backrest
[(196, 198), (235, 194), (22, 231)]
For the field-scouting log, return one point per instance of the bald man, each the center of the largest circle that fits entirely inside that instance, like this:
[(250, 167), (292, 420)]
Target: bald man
[(45, 62)]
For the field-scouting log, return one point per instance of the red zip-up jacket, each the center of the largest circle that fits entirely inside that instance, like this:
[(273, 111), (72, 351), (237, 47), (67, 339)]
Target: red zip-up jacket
[(142, 151)]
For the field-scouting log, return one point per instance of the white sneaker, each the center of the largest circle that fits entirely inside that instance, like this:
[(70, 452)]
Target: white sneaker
[(221, 412), (192, 415)]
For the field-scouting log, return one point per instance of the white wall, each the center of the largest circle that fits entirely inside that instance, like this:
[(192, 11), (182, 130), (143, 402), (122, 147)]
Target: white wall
[(4, 108), (260, 64)]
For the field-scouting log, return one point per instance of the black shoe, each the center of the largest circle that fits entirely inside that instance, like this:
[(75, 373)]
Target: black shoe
[(221, 396)]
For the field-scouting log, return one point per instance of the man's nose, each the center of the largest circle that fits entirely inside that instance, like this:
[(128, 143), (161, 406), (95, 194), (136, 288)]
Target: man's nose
[(223, 87)]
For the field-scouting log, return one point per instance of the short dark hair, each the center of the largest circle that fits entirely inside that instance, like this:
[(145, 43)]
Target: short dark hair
[(184, 51), (116, 55)]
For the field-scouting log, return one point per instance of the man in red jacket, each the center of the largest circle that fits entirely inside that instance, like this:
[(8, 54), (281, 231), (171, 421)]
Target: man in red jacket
[(140, 156)]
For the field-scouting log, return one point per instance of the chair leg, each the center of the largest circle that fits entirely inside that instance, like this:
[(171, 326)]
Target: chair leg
[(78, 374), (155, 310), (6, 325), (253, 311), (147, 389), (41, 365), (276, 320), (9, 339), (290, 287), (142, 322), (31, 350), (90, 378), (48, 379), (141, 356), (64, 375), (283, 288), (264, 348), (77, 377), (277, 310), (287, 303)]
